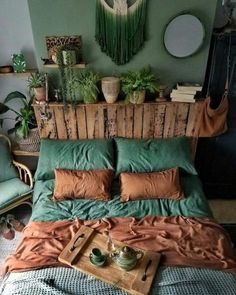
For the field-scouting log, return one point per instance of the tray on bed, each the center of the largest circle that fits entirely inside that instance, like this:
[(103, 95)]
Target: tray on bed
[(76, 254)]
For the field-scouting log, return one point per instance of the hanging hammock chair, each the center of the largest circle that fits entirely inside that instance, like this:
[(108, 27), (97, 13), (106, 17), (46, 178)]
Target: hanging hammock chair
[(120, 31)]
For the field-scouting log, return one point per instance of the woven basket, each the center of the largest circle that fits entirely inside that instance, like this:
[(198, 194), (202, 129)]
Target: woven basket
[(31, 143)]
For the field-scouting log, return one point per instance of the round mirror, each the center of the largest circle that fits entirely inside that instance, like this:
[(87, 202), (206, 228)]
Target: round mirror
[(184, 35)]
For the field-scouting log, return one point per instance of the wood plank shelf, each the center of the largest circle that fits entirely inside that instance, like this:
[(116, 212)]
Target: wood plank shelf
[(18, 152), (55, 66), (23, 74)]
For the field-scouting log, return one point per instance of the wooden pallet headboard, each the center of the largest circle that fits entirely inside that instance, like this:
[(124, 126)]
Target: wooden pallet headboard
[(102, 120)]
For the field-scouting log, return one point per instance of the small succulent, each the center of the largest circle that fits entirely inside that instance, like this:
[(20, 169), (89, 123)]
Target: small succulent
[(36, 80)]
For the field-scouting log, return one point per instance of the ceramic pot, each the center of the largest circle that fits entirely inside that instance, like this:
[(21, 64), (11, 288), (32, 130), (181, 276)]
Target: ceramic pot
[(110, 88), (137, 97), (40, 94), (69, 57), (126, 258)]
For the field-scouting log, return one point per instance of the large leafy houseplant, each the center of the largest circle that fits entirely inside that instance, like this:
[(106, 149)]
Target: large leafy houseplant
[(25, 118), (136, 83)]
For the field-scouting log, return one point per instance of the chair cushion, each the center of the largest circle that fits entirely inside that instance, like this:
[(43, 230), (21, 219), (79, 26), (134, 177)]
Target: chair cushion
[(12, 190), (73, 155), (150, 155), (7, 170)]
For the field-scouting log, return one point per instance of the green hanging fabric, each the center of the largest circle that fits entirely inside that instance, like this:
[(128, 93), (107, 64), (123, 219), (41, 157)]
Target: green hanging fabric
[(120, 31)]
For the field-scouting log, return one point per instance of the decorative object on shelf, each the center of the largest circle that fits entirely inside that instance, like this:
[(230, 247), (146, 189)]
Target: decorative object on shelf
[(120, 30), (87, 85), (37, 83), (24, 121), (19, 63), (186, 26), (69, 57), (6, 69), (110, 88), (161, 96), (136, 83), (69, 42)]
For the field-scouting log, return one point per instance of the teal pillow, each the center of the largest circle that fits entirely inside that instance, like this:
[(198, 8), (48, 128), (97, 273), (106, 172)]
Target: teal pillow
[(7, 170), (139, 155), (75, 155)]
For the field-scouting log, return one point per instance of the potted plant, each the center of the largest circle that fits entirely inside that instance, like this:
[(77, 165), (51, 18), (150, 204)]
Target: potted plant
[(37, 83), (87, 85), (25, 126), (136, 83)]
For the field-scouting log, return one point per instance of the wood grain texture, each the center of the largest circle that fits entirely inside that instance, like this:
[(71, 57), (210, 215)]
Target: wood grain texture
[(77, 255), (102, 120)]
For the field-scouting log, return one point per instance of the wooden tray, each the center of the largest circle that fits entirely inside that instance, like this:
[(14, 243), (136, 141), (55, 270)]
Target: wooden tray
[(131, 281)]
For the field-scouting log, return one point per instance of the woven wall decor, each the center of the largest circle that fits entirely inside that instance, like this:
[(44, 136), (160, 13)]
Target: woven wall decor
[(120, 30)]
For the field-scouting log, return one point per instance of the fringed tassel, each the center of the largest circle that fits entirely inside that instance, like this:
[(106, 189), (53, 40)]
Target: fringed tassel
[(120, 36)]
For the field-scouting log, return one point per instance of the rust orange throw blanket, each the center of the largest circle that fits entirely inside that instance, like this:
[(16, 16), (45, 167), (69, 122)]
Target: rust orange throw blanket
[(182, 241)]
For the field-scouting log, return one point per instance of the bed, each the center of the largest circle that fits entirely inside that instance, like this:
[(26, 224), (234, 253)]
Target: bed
[(197, 254)]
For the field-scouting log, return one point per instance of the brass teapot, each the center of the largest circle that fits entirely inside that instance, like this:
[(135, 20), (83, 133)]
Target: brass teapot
[(126, 257)]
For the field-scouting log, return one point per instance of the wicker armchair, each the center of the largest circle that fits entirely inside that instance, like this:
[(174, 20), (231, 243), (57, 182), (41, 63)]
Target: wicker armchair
[(16, 182)]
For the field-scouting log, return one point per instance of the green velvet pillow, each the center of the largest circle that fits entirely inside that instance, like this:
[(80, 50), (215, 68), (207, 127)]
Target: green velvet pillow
[(74, 155), (7, 170), (139, 155)]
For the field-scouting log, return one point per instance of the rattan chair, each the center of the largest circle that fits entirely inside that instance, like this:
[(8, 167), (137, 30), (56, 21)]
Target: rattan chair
[(16, 182)]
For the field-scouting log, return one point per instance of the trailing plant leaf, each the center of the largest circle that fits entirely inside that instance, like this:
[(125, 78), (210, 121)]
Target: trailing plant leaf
[(3, 108)]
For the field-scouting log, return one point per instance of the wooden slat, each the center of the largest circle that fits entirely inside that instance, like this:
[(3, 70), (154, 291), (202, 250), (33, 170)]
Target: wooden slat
[(121, 115), (193, 118), (170, 117), (70, 119), (159, 120), (91, 117), (129, 120), (112, 121), (138, 121), (148, 121), (101, 126), (81, 122), (60, 122), (181, 119)]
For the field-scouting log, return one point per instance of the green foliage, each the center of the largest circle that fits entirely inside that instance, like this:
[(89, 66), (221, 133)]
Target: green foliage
[(87, 85), (36, 80), (25, 118), (138, 81)]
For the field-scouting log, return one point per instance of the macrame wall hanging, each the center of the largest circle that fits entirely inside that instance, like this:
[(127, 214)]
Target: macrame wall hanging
[(120, 30)]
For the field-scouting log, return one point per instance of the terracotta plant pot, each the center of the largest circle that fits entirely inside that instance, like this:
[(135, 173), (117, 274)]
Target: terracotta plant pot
[(137, 97), (110, 88), (40, 93)]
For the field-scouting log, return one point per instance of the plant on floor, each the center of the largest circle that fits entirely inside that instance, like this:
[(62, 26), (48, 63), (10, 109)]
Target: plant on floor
[(24, 119), (136, 83)]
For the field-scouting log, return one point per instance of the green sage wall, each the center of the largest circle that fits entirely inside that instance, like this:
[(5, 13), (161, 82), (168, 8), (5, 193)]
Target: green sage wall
[(69, 17)]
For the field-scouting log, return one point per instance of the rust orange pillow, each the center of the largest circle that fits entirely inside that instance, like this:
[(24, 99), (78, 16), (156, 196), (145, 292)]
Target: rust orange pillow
[(77, 184), (154, 185)]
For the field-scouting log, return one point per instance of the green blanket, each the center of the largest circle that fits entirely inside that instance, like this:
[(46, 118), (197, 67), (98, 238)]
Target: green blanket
[(194, 204)]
